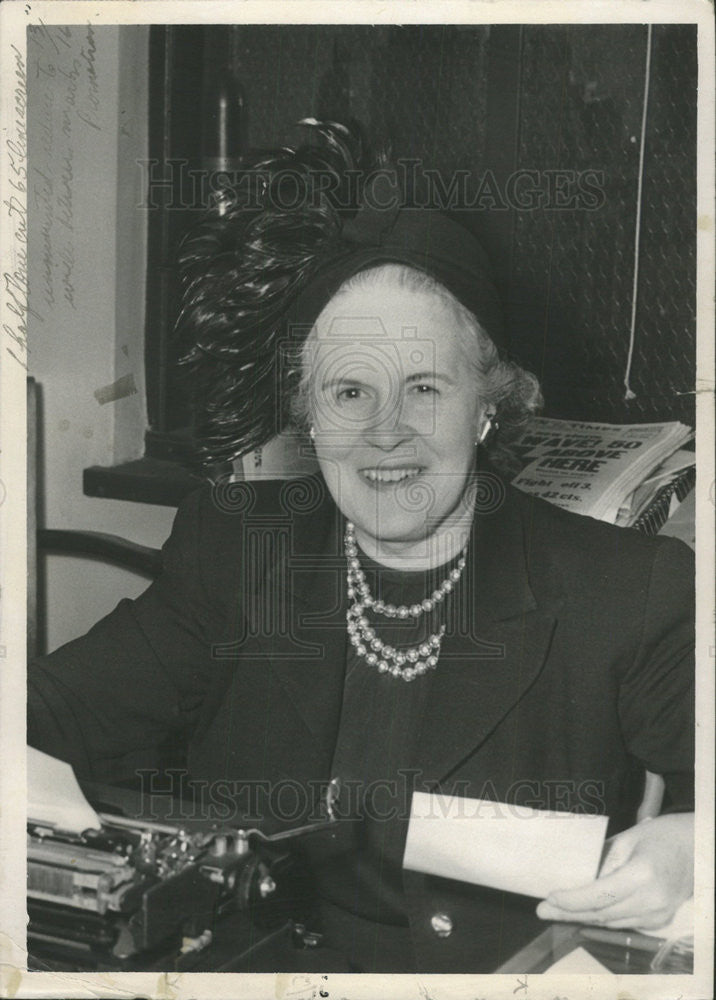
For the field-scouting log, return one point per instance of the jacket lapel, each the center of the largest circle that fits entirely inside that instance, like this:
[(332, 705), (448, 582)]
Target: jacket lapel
[(488, 664), (304, 585)]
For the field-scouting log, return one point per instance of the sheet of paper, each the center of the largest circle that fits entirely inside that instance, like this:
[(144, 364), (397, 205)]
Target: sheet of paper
[(529, 851), (54, 797), (578, 962)]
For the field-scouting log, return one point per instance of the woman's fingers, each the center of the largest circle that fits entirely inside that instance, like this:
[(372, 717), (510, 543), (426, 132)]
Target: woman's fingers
[(629, 911), (610, 897)]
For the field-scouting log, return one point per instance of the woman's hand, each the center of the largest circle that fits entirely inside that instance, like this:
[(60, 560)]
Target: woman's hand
[(647, 874)]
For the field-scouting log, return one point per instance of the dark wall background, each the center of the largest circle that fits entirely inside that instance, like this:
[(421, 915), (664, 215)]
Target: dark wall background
[(500, 99)]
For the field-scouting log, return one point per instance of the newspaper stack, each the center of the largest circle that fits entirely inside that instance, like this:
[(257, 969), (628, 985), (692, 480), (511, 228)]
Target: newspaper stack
[(607, 471)]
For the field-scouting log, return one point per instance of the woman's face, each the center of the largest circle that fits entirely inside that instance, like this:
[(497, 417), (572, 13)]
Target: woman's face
[(395, 410)]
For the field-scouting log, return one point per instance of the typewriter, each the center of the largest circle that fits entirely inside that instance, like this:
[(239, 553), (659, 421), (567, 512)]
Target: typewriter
[(129, 894)]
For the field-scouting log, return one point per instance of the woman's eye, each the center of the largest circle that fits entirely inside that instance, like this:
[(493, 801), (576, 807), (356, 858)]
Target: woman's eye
[(424, 389), (350, 392)]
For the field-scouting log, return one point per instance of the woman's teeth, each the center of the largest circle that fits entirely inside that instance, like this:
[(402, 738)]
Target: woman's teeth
[(389, 475)]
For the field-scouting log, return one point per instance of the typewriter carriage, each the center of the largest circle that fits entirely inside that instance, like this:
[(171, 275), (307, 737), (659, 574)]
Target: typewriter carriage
[(139, 895)]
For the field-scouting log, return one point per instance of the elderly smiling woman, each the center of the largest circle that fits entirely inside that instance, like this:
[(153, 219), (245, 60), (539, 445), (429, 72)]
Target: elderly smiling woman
[(403, 620)]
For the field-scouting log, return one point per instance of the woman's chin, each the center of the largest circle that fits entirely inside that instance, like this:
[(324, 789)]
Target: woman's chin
[(394, 512)]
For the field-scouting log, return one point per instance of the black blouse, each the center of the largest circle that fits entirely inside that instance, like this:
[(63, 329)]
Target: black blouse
[(380, 717)]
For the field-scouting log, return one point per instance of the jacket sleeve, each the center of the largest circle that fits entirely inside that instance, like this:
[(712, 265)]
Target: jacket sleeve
[(107, 700), (656, 702)]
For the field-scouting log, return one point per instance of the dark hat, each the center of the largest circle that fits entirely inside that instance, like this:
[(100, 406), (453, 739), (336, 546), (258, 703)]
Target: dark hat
[(425, 239)]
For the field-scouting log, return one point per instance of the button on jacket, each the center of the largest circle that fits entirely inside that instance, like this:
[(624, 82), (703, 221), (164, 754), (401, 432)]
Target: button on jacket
[(571, 673)]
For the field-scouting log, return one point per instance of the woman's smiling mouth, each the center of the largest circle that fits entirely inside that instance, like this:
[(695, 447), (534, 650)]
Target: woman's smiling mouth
[(390, 475)]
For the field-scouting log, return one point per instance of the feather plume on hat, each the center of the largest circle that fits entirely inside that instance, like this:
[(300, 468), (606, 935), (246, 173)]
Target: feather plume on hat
[(256, 278)]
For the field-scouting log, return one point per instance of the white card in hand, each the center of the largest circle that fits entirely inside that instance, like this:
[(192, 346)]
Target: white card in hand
[(504, 846)]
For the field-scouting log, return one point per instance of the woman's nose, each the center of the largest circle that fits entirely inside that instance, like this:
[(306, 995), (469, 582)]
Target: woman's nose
[(389, 427)]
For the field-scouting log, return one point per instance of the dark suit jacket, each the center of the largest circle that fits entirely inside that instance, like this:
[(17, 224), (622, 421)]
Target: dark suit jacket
[(572, 672)]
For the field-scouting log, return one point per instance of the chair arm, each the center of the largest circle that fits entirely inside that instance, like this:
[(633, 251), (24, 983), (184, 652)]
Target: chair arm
[(110, 548)]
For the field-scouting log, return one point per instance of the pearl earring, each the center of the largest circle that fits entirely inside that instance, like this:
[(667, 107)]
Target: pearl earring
[(312, 434)]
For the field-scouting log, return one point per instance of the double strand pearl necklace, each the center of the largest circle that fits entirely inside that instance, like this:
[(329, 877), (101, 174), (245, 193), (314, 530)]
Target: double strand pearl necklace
[(406, 663)]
